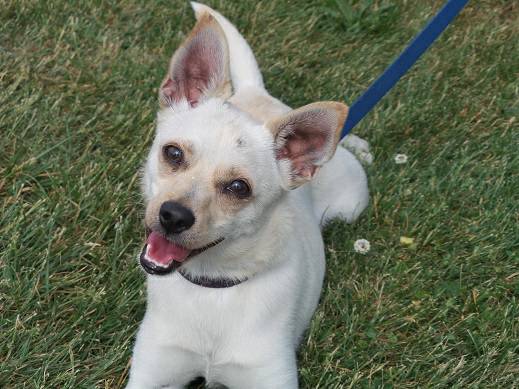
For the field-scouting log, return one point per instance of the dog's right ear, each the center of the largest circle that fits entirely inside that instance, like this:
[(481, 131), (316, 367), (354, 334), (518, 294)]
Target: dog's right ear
[(200, 66), (306, 138)]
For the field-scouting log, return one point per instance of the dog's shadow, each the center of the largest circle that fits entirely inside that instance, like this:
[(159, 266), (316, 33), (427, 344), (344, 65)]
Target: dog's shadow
[(198, 383)]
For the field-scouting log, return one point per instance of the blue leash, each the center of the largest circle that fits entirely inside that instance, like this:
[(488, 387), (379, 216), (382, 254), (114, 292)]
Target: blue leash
[(401, 65)]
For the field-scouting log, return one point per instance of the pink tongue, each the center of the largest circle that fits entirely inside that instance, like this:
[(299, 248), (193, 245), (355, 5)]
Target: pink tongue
[(162, 251)]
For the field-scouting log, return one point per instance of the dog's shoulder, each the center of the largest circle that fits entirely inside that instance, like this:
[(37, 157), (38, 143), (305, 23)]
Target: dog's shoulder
[(258, 104)]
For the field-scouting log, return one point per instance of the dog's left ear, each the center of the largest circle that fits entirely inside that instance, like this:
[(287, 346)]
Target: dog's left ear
[(200, 66), (306, 138)]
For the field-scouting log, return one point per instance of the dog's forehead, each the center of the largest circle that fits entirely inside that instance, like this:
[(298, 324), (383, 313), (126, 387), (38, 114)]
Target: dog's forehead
[(215, 128)]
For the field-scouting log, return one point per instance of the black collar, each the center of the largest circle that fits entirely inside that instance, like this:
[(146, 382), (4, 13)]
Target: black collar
[(208, 282)]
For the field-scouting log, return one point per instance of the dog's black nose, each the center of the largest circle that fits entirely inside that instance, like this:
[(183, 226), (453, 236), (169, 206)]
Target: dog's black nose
[(175, 218)]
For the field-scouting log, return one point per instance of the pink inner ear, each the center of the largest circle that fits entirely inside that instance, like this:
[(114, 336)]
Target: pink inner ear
[(199, 66), (303, 145), (176, 90)]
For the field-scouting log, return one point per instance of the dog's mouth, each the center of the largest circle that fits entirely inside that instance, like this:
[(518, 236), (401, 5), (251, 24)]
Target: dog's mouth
[(160, 256)]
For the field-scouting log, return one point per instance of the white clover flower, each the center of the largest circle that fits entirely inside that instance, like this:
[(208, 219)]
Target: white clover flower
[(361, 246), (400, 159)]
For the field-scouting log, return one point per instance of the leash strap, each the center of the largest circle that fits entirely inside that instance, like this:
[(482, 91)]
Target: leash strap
[(401, 65)]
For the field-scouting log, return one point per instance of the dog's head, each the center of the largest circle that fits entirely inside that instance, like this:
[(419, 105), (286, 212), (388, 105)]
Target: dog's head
[(214, 174)]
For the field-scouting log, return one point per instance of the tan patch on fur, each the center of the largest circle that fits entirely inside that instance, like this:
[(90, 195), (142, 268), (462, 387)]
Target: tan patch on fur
[(341, 111), (225, 176), (166, 168), (203, 209), (203, 195), (261, 107), (171, 189), (226, 201)]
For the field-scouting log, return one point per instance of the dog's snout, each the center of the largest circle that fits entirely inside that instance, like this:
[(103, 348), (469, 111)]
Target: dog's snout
[(175, 218)]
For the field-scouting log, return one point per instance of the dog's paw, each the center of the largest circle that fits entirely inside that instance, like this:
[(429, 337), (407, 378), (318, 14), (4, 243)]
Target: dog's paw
[(359, 147)]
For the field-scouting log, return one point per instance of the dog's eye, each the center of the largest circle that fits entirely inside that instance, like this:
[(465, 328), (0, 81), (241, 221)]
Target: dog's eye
[(173, 155), (239, 188)]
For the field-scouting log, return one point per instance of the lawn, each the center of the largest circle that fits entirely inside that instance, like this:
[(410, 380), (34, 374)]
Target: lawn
[(77, 109)]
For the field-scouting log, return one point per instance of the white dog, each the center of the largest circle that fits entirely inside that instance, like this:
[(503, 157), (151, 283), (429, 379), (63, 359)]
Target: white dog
[(236, 190)]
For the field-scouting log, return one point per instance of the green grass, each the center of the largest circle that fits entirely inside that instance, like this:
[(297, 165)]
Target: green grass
[(77, 104)]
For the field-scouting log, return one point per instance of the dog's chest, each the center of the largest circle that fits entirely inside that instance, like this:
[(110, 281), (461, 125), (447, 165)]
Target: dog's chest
[(217, 324)]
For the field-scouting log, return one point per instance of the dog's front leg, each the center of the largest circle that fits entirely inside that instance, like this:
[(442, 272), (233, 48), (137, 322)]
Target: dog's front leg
[(157, 366), (276, 374), (160, 367)]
